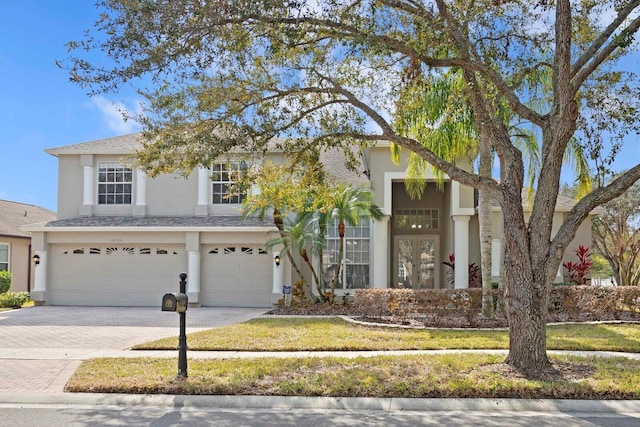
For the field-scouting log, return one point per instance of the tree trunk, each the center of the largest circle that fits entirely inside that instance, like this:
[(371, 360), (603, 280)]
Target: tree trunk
[(527, 315), (279, 223), (484, 219), (526, 295), (341, 233), (316, 279)]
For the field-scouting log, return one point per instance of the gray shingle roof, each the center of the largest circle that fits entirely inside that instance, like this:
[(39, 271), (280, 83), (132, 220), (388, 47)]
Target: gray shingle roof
[(13, 215), (124, 144), (161, 221), (127, 144), (563, 204), (333, 161)]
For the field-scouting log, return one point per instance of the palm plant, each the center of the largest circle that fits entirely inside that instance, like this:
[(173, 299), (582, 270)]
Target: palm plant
[(347, 205), (437, 113), (295, 237)]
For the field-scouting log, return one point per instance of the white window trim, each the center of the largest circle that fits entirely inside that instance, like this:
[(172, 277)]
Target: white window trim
[(8, 245), (343, 269), (213, 182), (124, 165)]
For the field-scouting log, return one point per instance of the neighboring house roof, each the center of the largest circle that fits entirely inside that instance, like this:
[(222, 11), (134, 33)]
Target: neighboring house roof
[(14, 215)]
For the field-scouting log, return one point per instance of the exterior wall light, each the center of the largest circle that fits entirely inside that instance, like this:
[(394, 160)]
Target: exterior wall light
[(276, 259), (36, 259)]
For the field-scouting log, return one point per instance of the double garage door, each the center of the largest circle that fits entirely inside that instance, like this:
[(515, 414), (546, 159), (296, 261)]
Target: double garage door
[(138, 275)]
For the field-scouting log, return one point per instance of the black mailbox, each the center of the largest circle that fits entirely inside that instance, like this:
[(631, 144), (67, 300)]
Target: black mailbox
[(175, 302)]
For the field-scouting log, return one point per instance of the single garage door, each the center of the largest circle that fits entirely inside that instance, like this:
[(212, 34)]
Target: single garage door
[(114, 275), (236, 276)]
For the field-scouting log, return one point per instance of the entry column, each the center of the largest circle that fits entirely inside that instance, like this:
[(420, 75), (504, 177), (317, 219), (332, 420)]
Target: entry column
[(461, 250), (39, 292)]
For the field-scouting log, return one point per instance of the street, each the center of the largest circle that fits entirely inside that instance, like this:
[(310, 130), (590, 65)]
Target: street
[(27, 415)]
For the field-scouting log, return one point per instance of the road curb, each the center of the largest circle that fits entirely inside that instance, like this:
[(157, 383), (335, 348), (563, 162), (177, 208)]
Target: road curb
[(323, 403)]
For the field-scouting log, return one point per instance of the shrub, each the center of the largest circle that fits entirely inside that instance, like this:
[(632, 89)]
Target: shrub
[(13, 299), (578, 271), (463, 307), (5, 281)]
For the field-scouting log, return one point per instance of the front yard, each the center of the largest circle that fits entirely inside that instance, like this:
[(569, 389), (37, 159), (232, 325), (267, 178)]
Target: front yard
[(335, 334), (445, 375)]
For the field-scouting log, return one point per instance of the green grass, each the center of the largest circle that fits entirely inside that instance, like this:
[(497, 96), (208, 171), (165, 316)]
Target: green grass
[(335, 334), (469, 375)]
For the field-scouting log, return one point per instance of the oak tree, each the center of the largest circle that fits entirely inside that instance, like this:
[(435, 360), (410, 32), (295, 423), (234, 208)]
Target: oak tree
[(226, 74)]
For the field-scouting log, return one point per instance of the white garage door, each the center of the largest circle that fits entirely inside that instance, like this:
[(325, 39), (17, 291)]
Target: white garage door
[(237, 276), (114, 275)]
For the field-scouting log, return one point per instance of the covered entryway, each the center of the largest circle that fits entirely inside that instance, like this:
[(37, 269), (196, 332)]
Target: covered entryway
[(416, 258), (114, 275), (236, 276)]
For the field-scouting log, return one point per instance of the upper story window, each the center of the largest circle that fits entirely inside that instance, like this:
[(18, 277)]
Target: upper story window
[(114, 183), (4, 257), (224, 177)]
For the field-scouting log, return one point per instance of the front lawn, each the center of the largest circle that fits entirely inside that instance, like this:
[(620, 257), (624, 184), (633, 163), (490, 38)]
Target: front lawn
[(335, 334), (452, 375), (448, 375)]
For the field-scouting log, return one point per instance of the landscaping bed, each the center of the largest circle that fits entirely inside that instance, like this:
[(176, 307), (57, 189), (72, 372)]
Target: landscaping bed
[(462, 308)]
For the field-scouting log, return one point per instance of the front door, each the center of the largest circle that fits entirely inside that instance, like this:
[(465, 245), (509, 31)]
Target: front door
[(416, 262)]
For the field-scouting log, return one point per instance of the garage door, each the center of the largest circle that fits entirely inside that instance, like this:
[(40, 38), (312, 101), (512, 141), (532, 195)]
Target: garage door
[(123, 275), (236, 276)]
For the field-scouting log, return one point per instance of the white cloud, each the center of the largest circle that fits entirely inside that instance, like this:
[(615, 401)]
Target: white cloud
[(114, 113)]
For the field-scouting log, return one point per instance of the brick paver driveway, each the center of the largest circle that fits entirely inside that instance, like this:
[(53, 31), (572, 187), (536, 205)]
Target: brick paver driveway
[(40, 346)]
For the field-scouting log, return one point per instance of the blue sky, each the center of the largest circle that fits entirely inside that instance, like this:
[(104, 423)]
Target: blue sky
[(40, 108)]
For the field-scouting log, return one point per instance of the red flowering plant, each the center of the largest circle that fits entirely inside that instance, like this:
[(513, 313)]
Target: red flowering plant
[(475, 279), (578, 271)]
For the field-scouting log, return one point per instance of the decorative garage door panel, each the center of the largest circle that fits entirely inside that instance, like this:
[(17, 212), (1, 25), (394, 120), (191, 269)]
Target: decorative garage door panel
[(236, 275), (114, 275)]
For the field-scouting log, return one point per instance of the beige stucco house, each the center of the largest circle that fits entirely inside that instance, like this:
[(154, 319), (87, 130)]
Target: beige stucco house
[(122, 238), (15, 243)]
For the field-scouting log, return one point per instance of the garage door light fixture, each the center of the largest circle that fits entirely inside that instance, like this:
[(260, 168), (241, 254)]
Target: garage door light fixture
[(276, 259), (36, 259)]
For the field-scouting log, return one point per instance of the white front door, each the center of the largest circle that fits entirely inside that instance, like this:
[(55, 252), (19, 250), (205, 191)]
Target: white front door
[(416, 263)]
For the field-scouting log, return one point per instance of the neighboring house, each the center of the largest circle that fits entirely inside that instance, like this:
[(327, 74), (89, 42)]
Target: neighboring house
[(122, 238), (15, 244)]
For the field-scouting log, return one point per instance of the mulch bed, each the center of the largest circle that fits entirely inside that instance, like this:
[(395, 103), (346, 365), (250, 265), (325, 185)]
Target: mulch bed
[(421, 320)]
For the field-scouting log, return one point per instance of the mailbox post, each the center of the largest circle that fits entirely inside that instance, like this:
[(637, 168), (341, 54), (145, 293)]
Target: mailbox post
[(182, 338), (178, 302)]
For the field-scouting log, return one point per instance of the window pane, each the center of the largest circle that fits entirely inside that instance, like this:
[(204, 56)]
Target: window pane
[(115, 183), (4, 253), (224, 179), (355, 269)]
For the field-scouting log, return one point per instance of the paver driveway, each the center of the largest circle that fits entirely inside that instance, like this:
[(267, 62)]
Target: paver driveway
[(40, 347)]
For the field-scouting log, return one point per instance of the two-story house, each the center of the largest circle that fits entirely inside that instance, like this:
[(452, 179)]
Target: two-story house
[(122, 238)]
